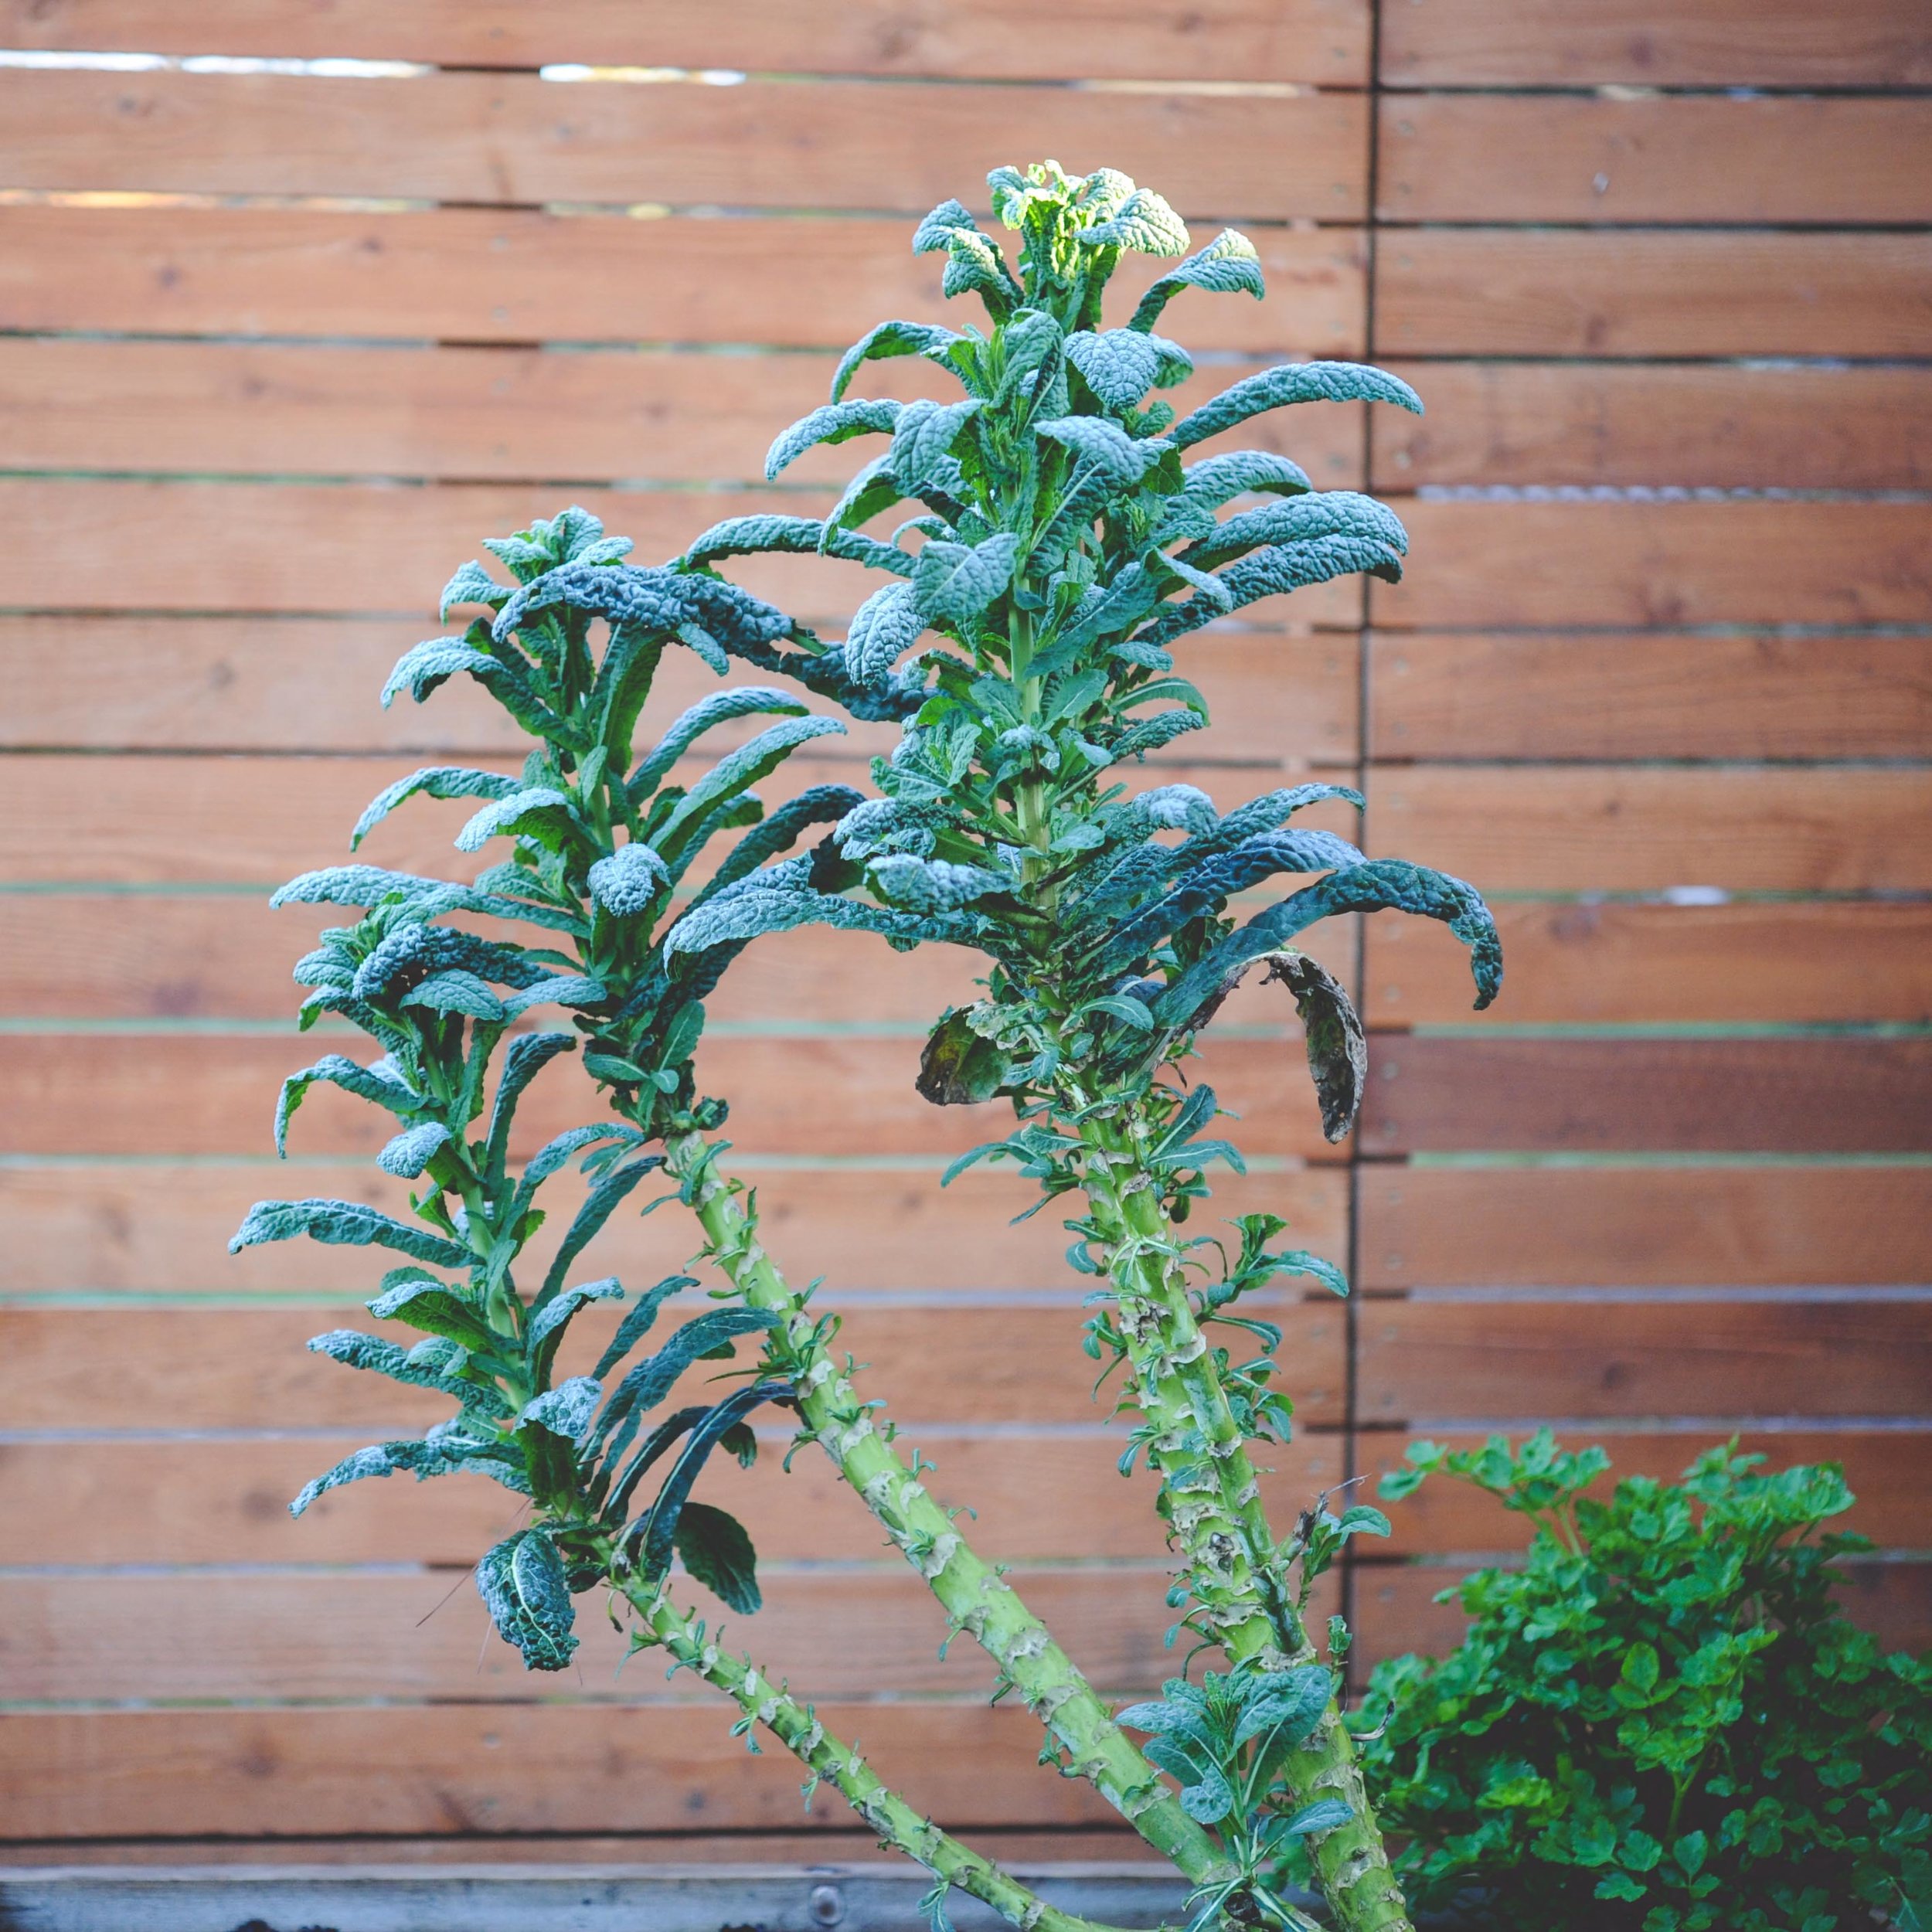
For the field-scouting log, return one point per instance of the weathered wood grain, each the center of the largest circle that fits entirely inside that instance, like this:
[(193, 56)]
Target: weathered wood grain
[(106, 1228), (1008, 1360), (487, 413), (247, 821), (1638, 828), (864, 146), (358, 1637), (1261, 40), (1772, 1225), (1424, 1362), (1639, 694), (1554, 291), (1552, 43), (1035, 1497), (1660, 566), (1828, 1095), (469, 1768), (1714, 426), (476, 275), (1677, 158), (215, 956), (1754, 962), (373, 548), (815, 1095), (306, 684)]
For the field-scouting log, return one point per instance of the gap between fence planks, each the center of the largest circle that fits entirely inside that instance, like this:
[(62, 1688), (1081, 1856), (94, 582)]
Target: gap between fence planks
[(1261, 41), (475, 275), (857, 146)]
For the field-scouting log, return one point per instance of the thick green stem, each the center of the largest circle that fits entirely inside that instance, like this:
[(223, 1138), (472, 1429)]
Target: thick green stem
[(977, 1598), (900, 1827), (1214, 1503)]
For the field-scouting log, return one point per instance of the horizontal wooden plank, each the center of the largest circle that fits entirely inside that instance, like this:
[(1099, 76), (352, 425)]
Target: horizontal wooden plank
[(1782, 1225), (1855, 43), (1611, 828), (259, 821), (1395, 1610), (470, 1768), (873, 1632), (475, 275), (375, 548), (302, 684), (1423, 1362), (504, 137), (1783, 962), (484, 413), (1890, 1471), (1719, 427), (1694, 1096), (1665, 566), (106, 1228), (1013, 1845), (1261, 40), (1011, 1360), (179, 1094), (122, 956), (1639, 694), (1502, 291), (1667, 158), (171, 1502)]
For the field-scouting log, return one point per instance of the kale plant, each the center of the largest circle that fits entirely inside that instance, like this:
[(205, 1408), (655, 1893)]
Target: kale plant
[(1066, 545), (1661, 1722), (605, 838)]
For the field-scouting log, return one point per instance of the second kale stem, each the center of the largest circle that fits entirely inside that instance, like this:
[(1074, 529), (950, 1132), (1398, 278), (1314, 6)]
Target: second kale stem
[(1214, 1507), (975, 1595)]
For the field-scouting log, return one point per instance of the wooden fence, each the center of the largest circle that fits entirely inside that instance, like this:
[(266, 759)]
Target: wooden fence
[(283, 339)]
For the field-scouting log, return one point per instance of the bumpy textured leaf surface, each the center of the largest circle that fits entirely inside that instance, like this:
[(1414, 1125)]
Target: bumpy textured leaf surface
[(629, 881), (1144, 223), (1294, 383), (343, 1224), (1120, 365), (424, 666), (380, 1083), (933, 885), (953, 583), (884, 628), (434, 781), (830, 422), (523, 1585), (1118, 456), (1228, 265), (1338, 1048), (1300, 518), (410, 1151)]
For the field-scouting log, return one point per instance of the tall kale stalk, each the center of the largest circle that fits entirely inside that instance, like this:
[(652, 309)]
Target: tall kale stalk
[(603, 841), (1066, 545)]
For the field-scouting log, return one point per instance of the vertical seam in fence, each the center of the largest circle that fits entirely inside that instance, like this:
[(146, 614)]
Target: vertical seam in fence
[(1351, 1259)]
